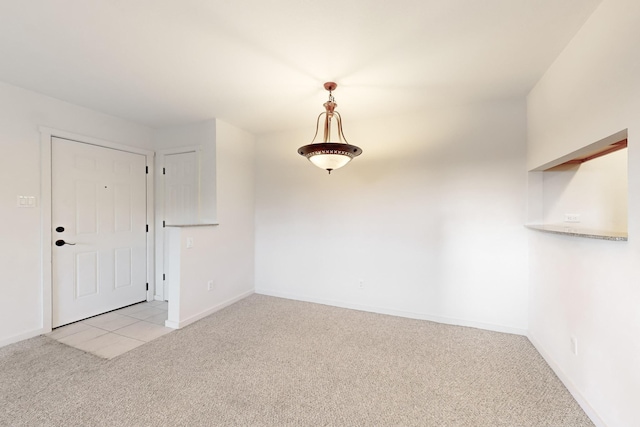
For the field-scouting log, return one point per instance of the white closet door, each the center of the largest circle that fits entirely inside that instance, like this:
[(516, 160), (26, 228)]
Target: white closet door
[(181, 205)]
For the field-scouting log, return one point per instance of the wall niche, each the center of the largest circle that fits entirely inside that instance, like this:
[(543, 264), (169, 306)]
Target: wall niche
[(583, 193)]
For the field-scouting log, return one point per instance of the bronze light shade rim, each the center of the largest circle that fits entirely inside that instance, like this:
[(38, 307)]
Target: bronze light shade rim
[(329, 148)]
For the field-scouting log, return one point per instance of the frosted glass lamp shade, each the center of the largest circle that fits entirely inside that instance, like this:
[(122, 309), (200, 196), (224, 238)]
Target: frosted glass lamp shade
[(329, 155), (330, 161)]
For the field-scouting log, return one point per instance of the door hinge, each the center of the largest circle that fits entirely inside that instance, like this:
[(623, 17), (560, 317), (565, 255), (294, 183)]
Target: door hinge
[(147, 228), (163, 225), (164, 277), (146, 169), (164, 171), (147, 286)]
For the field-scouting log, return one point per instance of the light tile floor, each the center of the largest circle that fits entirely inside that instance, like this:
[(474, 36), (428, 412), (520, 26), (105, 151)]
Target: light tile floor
[(112, 334)]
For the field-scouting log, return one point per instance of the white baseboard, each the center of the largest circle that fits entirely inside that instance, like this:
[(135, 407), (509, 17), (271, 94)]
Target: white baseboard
[(184, 322), (23, 336), (399, 313), (575, 392), (172, 325)]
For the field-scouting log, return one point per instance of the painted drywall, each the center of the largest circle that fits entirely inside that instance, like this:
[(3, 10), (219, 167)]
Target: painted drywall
[(222, 254), (589, 289), (21, 113), (426, 223), (596, 191)]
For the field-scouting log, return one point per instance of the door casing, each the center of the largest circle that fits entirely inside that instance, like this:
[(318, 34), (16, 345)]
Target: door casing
[(45, 204)]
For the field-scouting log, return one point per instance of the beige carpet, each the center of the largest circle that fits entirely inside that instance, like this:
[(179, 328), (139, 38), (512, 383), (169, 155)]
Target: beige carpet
[(272, 362)]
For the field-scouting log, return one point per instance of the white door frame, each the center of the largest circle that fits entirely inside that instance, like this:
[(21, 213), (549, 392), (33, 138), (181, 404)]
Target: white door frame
[(160, 290), (45, 204)]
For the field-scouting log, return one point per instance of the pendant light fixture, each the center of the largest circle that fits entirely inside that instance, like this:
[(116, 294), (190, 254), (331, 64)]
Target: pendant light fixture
[(326, 154)]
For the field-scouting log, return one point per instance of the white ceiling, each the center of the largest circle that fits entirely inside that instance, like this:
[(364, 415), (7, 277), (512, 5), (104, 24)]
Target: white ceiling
[(260, 64)]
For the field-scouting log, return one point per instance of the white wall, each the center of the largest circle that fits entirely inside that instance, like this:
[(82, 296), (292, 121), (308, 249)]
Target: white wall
[(596, 190), (430, 217), (223, 253), (580, 287), (21, 112)]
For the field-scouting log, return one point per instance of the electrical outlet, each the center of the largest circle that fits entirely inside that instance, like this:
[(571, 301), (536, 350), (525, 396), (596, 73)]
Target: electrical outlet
[(574, 345), (361, 283), (210, 285), (571, 217)]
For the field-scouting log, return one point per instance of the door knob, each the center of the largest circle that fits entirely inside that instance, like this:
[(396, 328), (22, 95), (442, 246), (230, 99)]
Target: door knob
[(62, 243)]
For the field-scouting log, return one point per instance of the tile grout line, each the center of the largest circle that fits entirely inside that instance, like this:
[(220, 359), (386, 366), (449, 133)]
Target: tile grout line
[(114, 333)]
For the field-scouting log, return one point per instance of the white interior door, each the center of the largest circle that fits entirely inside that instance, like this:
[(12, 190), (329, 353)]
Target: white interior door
[(181, 188), (181, 200), (99, 211)]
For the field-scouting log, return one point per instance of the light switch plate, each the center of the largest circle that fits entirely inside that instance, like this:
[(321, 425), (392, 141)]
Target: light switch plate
[(26, 201)]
